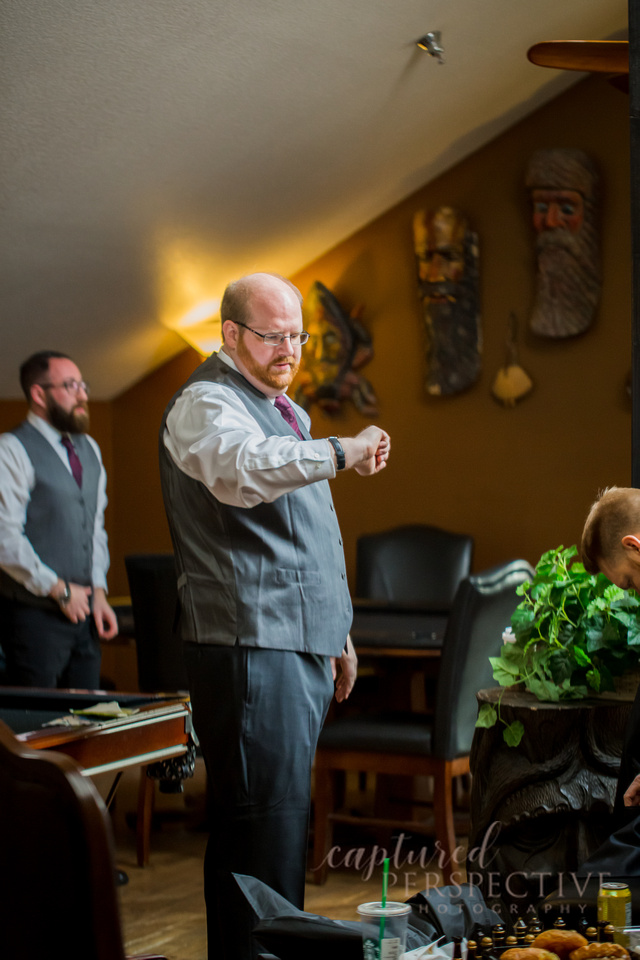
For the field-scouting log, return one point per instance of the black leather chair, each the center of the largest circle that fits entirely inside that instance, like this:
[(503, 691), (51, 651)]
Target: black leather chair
[(161, 669), (154, 604), (59, 897), (416, 564), (409, 744)]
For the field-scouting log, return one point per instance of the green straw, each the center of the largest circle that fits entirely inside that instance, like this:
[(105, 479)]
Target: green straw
[(385, 884)]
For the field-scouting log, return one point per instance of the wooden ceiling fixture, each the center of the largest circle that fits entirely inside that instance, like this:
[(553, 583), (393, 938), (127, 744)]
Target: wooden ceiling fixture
[(610, 57)]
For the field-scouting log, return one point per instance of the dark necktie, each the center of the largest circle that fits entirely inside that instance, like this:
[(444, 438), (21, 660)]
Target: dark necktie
[(285, 408), (74, 460)]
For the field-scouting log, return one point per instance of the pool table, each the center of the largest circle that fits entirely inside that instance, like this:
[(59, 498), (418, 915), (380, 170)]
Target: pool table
[(160, 727)]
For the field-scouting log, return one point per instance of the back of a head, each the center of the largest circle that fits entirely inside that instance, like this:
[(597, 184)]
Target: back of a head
[(614, 514)]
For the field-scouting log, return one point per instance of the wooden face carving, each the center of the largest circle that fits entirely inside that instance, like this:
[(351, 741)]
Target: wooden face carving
[(447, 265)]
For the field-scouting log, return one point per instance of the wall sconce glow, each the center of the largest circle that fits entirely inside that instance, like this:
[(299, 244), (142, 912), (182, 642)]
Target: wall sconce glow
[(200, 327)]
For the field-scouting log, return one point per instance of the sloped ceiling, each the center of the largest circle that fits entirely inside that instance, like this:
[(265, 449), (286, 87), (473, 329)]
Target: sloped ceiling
[(153, 150)]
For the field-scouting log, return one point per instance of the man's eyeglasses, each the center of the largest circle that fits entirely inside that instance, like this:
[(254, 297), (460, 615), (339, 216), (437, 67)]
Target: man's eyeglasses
[(71, 386), (275, 339)]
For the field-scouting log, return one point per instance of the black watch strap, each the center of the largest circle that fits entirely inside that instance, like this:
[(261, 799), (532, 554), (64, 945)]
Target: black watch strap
[(341, 460)]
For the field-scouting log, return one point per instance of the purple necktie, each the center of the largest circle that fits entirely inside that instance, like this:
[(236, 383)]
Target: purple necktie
[(74, 460), (285, 408)]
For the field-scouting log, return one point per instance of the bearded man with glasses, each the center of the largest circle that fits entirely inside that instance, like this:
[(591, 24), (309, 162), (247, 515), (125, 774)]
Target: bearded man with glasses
[(265, 607), (53, 546)]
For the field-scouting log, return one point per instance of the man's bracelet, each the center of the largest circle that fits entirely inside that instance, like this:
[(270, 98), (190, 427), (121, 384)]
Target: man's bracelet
[(341, 460)]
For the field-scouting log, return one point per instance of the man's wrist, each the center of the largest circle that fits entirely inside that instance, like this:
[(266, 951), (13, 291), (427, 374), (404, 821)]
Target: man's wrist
[(341, 460), (64, 597)]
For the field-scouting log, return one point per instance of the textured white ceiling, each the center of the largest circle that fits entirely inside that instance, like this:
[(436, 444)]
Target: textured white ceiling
[(153, 150)]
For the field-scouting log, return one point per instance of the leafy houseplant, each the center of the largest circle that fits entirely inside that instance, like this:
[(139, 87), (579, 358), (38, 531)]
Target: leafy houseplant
[(572, 634)]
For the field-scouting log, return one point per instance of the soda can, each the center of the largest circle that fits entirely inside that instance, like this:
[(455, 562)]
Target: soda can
[(614, 904)]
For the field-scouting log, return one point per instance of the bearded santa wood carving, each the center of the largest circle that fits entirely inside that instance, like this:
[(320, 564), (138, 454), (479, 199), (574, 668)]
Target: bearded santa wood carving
[(564, 188)]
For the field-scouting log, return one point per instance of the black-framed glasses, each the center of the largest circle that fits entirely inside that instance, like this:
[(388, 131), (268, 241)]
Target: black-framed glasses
[(71, 386), (275, 339)]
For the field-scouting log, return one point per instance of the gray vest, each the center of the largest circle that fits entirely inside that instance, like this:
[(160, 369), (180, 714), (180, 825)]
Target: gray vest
[(60, 516), (270, 576)]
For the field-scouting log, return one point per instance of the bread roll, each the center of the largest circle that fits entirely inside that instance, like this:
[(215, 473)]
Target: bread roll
[(528, 953), (596, 949), (562, 942)]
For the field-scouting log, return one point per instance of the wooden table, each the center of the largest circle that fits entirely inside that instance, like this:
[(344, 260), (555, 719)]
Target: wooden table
[(397, 630), (160, 729)]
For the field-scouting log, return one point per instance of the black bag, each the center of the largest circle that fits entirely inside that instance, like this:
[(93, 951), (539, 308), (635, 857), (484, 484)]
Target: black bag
[(290, 933)]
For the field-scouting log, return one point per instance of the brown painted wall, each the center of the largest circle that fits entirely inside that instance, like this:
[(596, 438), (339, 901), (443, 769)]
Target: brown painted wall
[(519, 480)]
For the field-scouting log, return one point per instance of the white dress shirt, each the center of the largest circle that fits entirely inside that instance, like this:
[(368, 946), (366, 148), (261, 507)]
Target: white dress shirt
[(17, 480), (211, 436)]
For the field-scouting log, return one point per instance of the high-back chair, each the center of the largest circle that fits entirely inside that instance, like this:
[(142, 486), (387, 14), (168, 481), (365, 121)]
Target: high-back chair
[(59, 897), (407, 744), (412, 564), (154, 603)]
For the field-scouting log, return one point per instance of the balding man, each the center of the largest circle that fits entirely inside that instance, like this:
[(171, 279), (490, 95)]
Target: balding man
[(266, 611)]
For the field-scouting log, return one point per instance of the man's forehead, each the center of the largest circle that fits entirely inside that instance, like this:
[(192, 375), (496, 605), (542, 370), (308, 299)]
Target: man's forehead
[(64, 367)]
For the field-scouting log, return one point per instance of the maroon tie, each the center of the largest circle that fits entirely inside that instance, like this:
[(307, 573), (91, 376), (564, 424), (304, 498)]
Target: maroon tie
[(74, 460), (285, 408)]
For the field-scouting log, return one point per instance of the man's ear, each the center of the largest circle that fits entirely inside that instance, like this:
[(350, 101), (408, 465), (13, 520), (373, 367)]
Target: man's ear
[(231, 332), (38, 396), (631, 544)]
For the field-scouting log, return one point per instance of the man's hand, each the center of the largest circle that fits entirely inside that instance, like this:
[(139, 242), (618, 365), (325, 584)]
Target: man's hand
[(632, 794), (105, 619), (77, 608), (367, 452), (348, 671)]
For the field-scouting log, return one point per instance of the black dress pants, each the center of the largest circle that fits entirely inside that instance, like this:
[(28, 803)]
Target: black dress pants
[(258, 715), (44, 649)]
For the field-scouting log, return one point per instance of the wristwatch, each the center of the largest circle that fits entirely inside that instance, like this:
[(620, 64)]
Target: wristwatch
[(341, 460), (64, 598)]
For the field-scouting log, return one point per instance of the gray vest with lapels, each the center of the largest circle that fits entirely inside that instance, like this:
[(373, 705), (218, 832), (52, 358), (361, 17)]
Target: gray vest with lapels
[(60, 515), (268, 576)]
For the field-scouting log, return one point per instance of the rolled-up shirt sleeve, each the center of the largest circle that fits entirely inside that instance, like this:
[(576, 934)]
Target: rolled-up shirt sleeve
[(17, 556), (212, 437), (100, 565)]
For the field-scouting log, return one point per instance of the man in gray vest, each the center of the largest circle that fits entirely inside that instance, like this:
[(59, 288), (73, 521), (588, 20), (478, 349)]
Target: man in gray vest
[(53, 546), (265, 607)]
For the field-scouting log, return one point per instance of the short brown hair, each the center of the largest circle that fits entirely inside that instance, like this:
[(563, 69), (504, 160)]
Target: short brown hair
[(36, 367), (614, 514)]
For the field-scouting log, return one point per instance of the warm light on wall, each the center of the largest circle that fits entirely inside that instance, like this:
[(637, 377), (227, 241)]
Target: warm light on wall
[(200, 327)]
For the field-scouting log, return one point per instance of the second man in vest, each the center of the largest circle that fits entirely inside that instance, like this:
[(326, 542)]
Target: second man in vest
[(53, 545)]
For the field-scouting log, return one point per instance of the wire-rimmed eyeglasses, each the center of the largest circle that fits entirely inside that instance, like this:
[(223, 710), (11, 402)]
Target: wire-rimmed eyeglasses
[(71, 386), (275, 339)]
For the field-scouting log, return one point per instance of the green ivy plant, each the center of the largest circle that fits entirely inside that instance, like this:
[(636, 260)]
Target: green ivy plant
[(572, 634)]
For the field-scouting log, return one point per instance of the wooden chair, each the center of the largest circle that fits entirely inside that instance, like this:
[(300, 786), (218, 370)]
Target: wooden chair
[(59, 895), (410, 744), (416, 564)]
